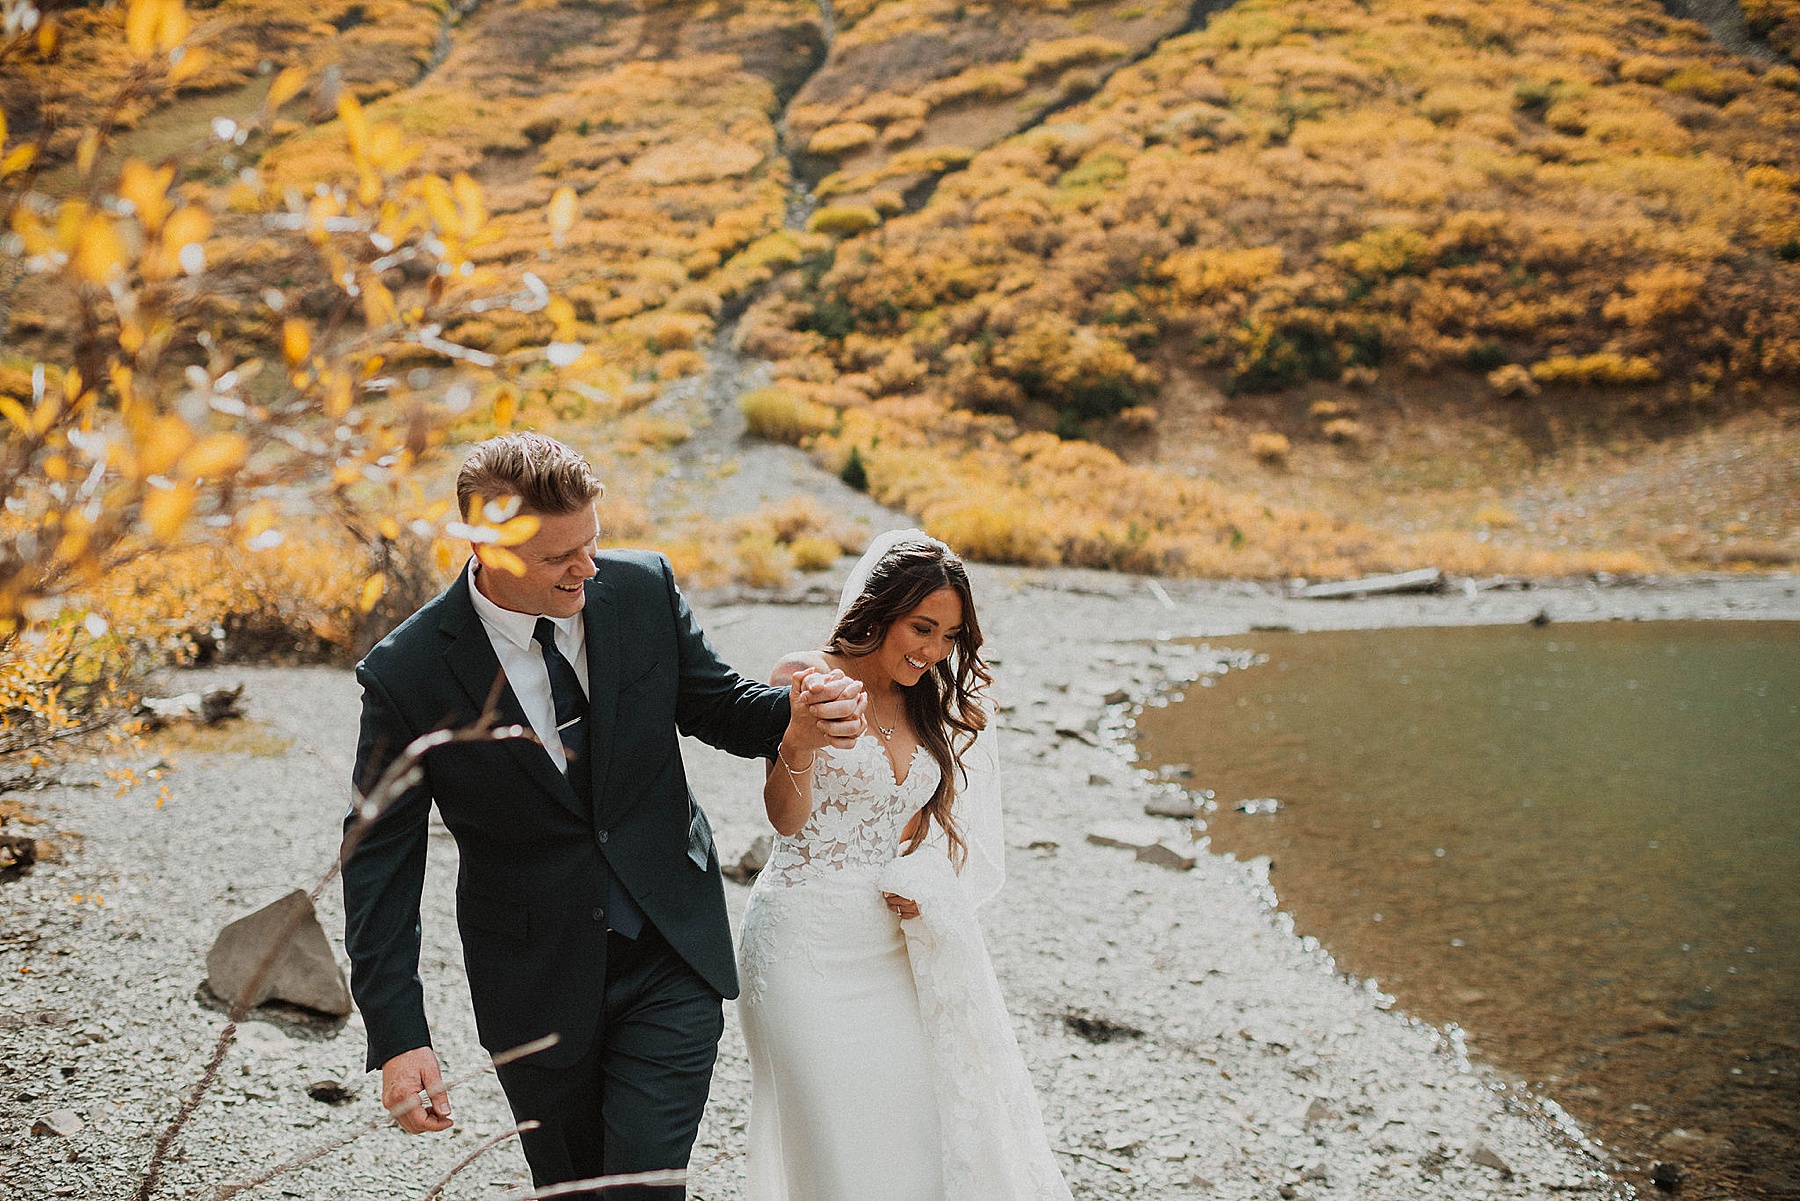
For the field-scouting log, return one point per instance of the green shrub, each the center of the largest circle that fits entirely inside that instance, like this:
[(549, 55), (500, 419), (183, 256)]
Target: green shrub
[(854, 473), (1271, 357), (832, 318)]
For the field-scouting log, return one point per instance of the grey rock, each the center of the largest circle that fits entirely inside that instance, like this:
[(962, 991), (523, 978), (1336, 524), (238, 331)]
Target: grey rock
[(1072, 729), (58, 1123), (304, 972), (1666, 1176), (331, 1092), (1130, 836), (1096, 780), (750, 862), (1316, 1111), (17, 852), (1169, 855), (1487, 1157), (1172, 804), (1117, 696), (207, 708)]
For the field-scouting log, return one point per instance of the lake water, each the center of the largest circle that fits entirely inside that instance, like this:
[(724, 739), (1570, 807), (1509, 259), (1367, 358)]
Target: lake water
[(1581, 843)]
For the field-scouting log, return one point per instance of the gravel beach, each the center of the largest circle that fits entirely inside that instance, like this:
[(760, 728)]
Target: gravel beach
[(1185, 1042)]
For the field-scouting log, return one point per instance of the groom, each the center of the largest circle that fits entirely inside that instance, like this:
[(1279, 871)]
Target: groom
[(588, 893)]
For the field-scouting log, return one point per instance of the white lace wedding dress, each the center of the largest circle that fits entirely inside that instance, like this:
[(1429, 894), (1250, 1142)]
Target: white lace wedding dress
[(883, 1062)]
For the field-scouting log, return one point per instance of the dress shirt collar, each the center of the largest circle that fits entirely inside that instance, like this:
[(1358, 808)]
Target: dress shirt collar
[(516, 628)]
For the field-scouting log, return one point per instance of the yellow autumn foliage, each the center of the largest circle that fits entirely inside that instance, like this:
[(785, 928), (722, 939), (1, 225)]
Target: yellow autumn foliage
[(1777, 21), (1251, 203), (781, 415), (1604, 368), (841, 138)]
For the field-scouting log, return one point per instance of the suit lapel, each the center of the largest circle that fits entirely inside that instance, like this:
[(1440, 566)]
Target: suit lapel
[(601, 615), (470, 656)]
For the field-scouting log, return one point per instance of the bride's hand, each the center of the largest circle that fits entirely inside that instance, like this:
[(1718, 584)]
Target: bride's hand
[(902, 907), (832, 704)]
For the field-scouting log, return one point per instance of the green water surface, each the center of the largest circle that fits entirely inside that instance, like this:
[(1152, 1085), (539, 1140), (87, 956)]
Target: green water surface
[(1579, 842)]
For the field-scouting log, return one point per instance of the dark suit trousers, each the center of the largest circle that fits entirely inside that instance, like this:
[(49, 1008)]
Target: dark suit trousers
[(633, 1103)]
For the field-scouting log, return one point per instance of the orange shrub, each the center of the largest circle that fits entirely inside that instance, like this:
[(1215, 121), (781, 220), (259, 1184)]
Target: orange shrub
[(1270, 448)]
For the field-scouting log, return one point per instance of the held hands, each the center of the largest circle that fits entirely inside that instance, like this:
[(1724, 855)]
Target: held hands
[(826, 710), (407, 1075)]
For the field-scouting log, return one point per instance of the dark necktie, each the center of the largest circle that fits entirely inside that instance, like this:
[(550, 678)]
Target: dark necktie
[(571, 702), (621, 913)]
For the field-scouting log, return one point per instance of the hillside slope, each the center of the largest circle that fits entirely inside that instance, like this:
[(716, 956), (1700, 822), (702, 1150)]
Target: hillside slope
[(1289, 287), (1585, 212)]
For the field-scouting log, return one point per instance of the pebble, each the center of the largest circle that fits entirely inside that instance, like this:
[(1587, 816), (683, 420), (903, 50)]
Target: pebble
[(1487, 1157), (331, 1092), (1129, 836), (1172, 804), (59, 1123), (1167, 854)]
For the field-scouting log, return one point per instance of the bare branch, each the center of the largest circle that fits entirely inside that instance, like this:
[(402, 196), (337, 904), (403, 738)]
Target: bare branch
[(400, 775), (599, 1184), (225, 1191), (437, 1190)]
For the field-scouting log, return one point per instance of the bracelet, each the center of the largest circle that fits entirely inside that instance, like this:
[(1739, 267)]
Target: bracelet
[(790, 771)]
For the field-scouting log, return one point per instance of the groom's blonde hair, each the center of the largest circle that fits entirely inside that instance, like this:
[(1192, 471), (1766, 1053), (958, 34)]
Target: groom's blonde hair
[(548, 477)]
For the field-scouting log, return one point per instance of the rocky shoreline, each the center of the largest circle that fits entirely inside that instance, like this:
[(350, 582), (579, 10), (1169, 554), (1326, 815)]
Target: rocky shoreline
[(1186, 1043)]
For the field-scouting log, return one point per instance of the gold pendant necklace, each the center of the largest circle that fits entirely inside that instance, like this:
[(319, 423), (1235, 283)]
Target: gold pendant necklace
[(886, 732)]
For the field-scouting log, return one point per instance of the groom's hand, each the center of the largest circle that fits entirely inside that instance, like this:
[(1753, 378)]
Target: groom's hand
[(832, 704), (403, 1078)]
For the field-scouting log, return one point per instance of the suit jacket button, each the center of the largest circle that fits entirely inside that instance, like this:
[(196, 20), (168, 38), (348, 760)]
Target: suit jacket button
[(599, 915), (601, 836)]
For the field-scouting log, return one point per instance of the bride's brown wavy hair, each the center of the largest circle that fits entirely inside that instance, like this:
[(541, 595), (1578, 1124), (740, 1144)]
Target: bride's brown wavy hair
[(944, 707)]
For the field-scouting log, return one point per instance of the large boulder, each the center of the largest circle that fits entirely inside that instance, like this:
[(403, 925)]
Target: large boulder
[(304, 973)]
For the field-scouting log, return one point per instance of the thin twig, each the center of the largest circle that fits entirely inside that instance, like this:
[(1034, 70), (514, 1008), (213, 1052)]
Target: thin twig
[(599, 1184), (62, 735), (411, 1103), (437, 1190), (401, 775), (1103, 1162)]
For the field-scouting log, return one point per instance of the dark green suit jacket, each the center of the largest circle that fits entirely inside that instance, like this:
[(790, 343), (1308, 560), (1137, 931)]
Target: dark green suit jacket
[(534, 855)]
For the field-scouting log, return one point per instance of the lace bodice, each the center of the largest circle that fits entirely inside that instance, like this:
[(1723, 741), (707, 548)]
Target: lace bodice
[(859, 812)]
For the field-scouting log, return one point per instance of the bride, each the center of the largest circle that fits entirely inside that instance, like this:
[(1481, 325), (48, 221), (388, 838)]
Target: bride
[(883, 1061)]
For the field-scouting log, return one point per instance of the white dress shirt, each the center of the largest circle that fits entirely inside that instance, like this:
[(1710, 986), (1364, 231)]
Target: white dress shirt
[(522, 659)]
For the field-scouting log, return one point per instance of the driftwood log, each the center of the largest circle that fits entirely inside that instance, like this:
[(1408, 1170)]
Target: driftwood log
[(1426, 579)]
